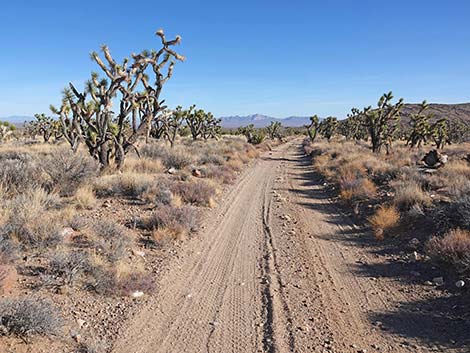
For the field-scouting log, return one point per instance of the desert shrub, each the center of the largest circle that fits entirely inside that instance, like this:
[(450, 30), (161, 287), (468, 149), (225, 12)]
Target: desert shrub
[(384, 219), (357, 189), (7, 250), (68, 266), (197, 193), (78, 223), (85, 198), (135, 281), (410, 194), (105, 280), (19, 173), (153, 151), (143, 166), (453, 214), (126, 184), (175, 219), (158, 194), (222, 173), (212, 158), (111, 240), (29, 316), (68, 170), (177, 159), (171, 157), (30, 221), (453, 249)]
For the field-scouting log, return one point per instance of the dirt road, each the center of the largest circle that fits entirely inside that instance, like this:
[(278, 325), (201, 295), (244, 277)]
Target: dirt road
[(275, 269)]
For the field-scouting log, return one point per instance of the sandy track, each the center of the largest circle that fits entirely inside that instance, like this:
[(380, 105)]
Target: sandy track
[(270, 272)]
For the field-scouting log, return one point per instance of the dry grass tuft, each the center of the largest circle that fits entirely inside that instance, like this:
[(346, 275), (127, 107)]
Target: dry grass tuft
[(409, 195), (85, 198), (125, 184), (384, 219)]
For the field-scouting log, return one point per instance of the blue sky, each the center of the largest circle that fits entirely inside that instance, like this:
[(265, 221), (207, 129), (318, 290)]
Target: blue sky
[(273, 57)]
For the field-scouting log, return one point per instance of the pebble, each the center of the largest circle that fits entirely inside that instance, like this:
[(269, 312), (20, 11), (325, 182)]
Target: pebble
[(460, 284), (438, 281)]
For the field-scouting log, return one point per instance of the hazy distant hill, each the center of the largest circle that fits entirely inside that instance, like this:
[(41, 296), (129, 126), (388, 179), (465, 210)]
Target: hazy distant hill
[(451, 111), (259, 120), (17, 120)]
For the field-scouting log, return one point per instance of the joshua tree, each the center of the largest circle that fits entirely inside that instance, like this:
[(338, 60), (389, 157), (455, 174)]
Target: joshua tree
[(172, 123), (211, 127), (312, 128), (252, 135), (274, 130), (6, 130), (381, 123), (458, 130), (108, 134), (69, 125), (327, 127), (353, 126), (202, 124), (44, 126), (195, 121), (440, 133), (420, 127)]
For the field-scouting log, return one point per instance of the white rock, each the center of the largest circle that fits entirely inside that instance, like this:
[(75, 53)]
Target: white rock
[(66, 232), (80, 322), (459, 284), (139, 253), (171, 170), (438, 281), (414, 256), (137, 294)]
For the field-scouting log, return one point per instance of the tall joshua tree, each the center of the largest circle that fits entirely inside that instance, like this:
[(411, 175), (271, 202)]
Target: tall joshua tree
[(172, 123), (382, 122), (440, 133), (312, 128), (273, 130), (109, 134), (420, 127), (328, 127)]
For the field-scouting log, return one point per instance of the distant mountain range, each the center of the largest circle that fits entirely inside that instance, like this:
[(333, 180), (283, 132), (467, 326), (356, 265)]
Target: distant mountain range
[(17, 120), (259, 120), (451, 111)]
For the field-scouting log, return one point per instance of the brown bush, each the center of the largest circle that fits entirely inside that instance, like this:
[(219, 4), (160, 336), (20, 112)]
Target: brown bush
[(197, 193), (106, 280), (384, 219), (179, 220), (68, 171), (29, 316), (85, 198), (143, 166), (357, 189), (111, 240), (126, 184), (20, 173), (453, 249), (32, 219)]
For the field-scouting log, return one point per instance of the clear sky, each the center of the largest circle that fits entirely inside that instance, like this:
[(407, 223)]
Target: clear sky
[(272, 57)]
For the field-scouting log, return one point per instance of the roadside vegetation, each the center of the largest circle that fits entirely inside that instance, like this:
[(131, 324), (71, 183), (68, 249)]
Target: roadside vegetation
[(408, 180)]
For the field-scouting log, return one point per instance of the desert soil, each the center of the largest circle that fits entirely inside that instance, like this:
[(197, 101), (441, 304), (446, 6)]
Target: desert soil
[(278, 267)]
